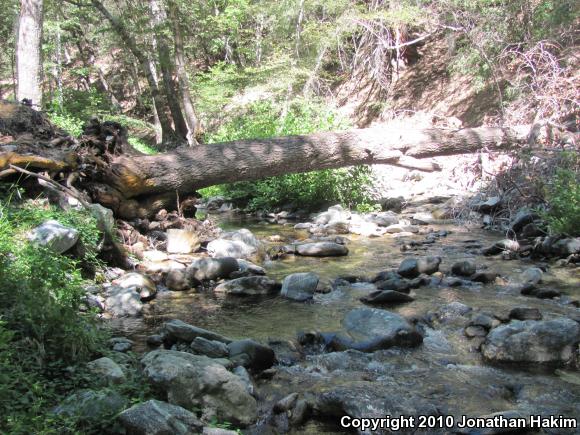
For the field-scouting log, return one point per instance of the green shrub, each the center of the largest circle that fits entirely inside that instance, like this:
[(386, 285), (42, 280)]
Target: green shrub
[(348, 186), (43, 333), (563, 197), (42, 292)]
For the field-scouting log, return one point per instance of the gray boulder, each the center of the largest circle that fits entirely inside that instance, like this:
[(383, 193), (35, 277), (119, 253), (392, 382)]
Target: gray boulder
[(413, 267), (251, 354), (392, 204), (566, 247), (532, 275), (54, 236), (250, 268), (397, 284), (123, 302), (204, 269), (176, 330), (249, 286), (489, 205), (336, 215), (532, 341), (107, 371), (370, 329), (121, 344), (91, 406), (140, 283), (523, 218), (300, 286), (210, 348), (243, 235), (238, 244), (177, 280), (505, 245), (195, 381), (321, 249), (525, 313), (484, 277), (159, 418), (464, 268), (230, 248), (383, 219)]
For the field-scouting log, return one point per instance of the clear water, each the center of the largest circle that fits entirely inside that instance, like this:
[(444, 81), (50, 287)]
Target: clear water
[(446, 370)]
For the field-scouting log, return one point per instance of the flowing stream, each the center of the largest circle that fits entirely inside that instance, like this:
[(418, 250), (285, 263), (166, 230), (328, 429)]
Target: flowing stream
[(445, 365)]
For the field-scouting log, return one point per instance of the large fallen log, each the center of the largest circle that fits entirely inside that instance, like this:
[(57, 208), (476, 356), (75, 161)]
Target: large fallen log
[(188, 169), (103, 165)]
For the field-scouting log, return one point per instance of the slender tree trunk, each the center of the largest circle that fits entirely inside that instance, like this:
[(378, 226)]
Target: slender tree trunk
[(169, 137), (28, 52), (159, 18), (299, 27), (182, 77)]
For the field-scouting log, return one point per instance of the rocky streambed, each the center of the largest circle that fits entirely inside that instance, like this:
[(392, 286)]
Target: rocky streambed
[(285, 327)]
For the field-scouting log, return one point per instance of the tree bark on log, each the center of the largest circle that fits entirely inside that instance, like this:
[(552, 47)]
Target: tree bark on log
[(104, 165), (187, 169)]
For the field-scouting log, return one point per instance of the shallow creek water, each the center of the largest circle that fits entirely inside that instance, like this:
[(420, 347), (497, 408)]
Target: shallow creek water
[(446, 370)]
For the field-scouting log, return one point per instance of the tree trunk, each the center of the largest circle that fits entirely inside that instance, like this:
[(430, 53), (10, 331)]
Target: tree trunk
[(159, 19), (169, 138), (182, 77), (135, 185), (188, 169), (28, 52)]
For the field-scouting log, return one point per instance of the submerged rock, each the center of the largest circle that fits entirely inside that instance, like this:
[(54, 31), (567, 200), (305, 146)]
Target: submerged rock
[(321, 249), (396, 284), (386, 297), (249, 286), (464, 268), (159, 418), (177, 280), (370, 329), (413, 267), (195, 381), (300, 286), (484, 277), (547, 341), (525, 313), (532, 275)]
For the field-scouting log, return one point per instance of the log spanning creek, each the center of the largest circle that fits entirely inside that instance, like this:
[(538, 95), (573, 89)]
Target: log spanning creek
[(470, 352)]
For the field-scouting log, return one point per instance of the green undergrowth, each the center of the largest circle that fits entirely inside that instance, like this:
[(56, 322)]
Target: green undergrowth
[(264, 119), (47, 334), (562, 194)]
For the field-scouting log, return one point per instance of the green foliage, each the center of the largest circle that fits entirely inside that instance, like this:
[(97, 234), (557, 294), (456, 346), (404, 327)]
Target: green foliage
[(140, 145), (563, 197), (43, 333), (74, 108), (42, 292), (348, 186)]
